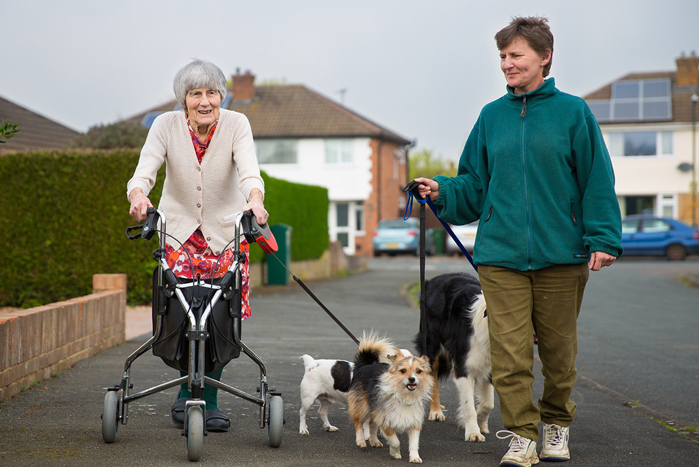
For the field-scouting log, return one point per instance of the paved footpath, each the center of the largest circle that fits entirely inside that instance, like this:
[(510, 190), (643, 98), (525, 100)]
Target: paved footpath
[(57, 423)]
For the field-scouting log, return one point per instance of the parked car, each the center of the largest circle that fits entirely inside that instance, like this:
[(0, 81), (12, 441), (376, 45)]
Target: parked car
[(466, 235), (660, 236), (401, 236)]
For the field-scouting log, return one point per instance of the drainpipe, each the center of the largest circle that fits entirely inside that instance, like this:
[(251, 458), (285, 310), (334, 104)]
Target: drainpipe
[(378, 179), (406, 149)]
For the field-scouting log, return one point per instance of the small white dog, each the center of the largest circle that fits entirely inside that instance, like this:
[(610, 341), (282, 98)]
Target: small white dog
[(328, 381)]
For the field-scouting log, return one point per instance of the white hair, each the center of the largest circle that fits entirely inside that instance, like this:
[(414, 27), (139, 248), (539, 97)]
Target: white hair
[(198, 74)]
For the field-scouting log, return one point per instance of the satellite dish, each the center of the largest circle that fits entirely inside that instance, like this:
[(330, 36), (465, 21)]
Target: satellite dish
[(685, 167)]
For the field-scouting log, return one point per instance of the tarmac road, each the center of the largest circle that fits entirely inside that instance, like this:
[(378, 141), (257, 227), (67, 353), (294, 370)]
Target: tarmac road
[(639, 349)]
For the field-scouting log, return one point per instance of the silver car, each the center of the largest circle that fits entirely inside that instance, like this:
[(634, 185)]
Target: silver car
[(466, 235)]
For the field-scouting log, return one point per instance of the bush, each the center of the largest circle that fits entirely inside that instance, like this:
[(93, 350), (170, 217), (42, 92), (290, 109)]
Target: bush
[(123, 134), (63, 216)]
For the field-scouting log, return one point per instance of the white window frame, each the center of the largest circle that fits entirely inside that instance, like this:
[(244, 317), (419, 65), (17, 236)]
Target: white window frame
[(354, 209), (663, 139), (339, 151), (264, 159), (666, 205)]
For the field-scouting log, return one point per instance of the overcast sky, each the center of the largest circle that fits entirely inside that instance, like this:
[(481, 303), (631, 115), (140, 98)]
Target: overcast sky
[(422, 68)]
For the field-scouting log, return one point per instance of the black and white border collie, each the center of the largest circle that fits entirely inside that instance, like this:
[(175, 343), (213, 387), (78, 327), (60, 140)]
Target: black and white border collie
[(458, 344)]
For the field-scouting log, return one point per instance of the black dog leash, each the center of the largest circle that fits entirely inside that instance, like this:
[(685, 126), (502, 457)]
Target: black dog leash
[(308, 291), (412, 188)]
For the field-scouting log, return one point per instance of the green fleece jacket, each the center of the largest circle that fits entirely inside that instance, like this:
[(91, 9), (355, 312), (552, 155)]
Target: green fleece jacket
[(536, 172)]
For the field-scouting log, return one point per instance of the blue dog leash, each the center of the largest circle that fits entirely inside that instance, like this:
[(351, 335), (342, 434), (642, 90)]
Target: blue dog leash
[(412, 189)]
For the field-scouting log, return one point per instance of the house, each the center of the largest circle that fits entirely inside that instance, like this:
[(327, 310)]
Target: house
[(648, 122), (304, 137), (36, 131)]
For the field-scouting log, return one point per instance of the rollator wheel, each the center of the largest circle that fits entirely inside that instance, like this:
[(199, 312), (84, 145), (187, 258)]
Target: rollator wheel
[(110, 416), (276, 421), (195, 433)]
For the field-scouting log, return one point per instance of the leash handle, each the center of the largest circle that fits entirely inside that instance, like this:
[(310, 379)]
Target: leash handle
[(413, 189)]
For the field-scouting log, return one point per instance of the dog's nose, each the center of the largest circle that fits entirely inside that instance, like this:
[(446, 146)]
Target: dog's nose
[(411, 379)]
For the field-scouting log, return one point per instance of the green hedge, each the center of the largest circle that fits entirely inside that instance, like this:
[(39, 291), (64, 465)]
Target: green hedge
[(63, 217)]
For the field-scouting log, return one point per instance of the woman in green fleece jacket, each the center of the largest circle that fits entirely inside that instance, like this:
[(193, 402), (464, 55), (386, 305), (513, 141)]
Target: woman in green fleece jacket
[(536, 173)]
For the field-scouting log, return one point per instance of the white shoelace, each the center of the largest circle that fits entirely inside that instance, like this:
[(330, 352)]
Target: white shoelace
[(518, 444), (554, 436)]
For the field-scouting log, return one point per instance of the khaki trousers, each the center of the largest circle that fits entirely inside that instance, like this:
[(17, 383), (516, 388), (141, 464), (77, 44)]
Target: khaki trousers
[(546, 301)]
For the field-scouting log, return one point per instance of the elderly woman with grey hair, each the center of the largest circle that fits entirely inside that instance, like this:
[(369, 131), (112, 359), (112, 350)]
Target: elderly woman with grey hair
[(211, 172)]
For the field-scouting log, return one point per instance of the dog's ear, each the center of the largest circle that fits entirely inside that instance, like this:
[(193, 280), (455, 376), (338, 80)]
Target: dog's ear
[(425, 359), (392, 358)]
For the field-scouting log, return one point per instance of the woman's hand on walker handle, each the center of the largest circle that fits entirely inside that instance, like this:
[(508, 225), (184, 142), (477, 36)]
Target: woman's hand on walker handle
[(599, 259), (256, 205), (428, 187), (139, 205)]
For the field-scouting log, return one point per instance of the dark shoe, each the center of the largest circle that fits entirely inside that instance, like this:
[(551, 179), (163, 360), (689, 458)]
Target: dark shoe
[(217, 421), (177, 412)]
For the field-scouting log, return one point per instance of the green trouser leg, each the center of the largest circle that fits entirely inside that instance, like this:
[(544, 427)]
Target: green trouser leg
[(210, 395), (545, 301)]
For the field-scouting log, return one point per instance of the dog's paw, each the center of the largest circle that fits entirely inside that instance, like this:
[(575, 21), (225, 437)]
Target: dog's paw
[(376, 443), (361, 444), (484, 429), (475, 437), (415, 460), (437, 417), (330, 428), (303, 431)]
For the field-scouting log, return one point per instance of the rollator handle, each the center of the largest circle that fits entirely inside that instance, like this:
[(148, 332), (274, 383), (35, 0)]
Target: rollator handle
[(148, 228), (260, 234)]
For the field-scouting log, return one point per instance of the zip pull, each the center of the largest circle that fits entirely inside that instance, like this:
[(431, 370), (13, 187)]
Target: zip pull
[(524, 107)]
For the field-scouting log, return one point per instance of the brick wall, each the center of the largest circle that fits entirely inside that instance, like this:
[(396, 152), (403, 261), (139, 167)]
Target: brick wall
[(38, 342), (387, 200)]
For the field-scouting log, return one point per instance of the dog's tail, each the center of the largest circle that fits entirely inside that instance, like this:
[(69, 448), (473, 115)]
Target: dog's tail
[(479, 321), (373, 349), (308, 362)]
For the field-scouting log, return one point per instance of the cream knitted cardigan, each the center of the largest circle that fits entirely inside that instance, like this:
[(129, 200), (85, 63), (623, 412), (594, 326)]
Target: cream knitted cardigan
[(200, 196)]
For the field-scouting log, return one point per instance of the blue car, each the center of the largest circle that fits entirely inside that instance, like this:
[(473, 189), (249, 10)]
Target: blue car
[(401, 236), (659, 236)]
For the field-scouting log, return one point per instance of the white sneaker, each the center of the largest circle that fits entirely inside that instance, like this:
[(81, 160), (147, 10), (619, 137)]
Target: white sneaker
[(522, 452), (555, 443)]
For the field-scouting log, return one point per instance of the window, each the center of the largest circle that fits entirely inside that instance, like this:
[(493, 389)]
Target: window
[(640, 205), (338, 151), (635, 100), (629, 226), (641, 143), (359, 216), (342, 214), (343, 238), (655, 225), (668, 205), (276, 151)]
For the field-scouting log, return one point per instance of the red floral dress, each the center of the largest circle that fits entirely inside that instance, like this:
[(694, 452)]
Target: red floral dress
[(203, 259)]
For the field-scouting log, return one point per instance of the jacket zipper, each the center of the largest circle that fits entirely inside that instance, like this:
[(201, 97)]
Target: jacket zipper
[(526, 191), (572, 213)]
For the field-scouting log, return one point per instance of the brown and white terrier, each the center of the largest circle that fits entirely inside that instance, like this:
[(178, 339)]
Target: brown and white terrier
[(391, 396)]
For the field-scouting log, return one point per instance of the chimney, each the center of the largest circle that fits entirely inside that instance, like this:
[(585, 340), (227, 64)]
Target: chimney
[(243, 87), (688, 70)]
